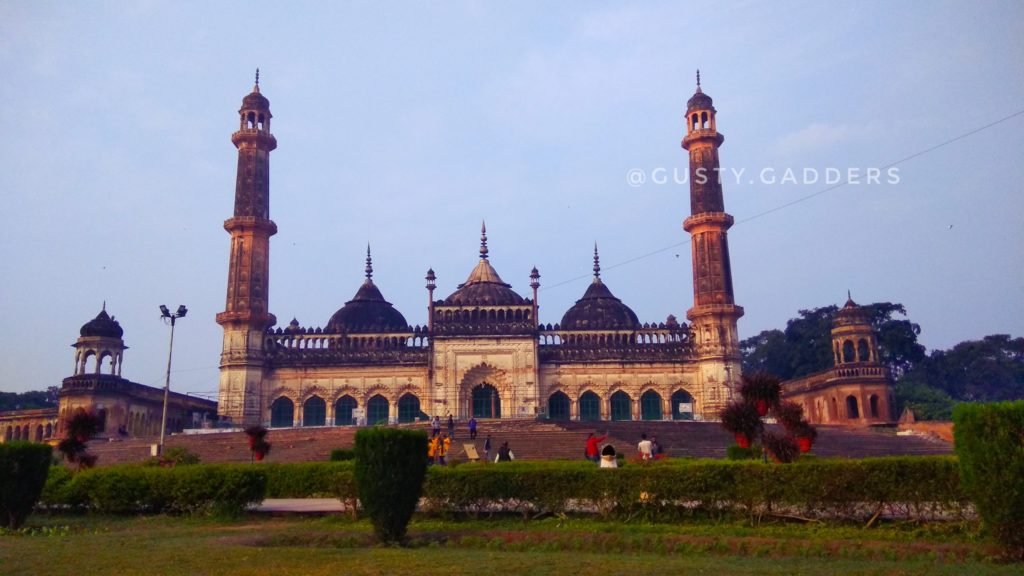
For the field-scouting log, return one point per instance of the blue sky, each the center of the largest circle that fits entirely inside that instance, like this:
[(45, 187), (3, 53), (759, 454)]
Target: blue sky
[(405, 124)]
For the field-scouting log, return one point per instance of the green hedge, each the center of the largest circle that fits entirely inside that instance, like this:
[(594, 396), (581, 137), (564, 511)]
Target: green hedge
[(23, 469), (217, 488), (914, 487), (990, 444), (919, 487), (310, 480)]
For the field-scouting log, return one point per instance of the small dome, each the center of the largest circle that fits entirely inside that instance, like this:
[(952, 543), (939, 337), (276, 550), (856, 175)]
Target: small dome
[(599, 310), (102, 325), (699, 101), (256, 101), (851, 313), (367, 311), (484, 288)]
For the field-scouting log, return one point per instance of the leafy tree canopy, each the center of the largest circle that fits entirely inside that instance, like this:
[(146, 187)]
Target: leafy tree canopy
[(30, 400)]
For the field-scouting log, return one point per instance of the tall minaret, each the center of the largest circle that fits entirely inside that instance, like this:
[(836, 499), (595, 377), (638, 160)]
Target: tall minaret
[(246, 317), (714, 313)]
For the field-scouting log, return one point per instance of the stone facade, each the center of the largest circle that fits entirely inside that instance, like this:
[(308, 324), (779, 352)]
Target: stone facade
[(483, 352)]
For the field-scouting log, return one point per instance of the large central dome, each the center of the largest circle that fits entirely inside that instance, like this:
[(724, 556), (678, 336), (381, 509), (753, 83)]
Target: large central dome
[(367, 311), (484, 287)]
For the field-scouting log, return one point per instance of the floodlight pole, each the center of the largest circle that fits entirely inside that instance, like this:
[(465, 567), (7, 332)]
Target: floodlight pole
[(168, 315)]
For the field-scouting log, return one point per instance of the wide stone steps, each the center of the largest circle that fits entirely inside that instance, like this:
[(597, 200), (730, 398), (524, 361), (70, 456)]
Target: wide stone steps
[(529, 440)]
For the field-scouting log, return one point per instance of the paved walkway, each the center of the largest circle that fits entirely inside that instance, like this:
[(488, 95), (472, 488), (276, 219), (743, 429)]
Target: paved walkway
[(301, 505)]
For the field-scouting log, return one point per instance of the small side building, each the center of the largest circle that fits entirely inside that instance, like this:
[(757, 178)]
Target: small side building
[(857, 389), (126, 408)]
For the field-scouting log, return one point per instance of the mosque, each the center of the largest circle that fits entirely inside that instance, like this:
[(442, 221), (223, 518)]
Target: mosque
[(483, 352)]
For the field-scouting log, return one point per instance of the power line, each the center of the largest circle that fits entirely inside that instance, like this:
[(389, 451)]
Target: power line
[(803, 198)]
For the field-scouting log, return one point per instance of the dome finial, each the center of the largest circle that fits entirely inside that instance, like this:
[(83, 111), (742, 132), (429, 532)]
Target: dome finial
[(597, 263), (698, 80), (483, 240), (256, 88), (369, 263), (104, 305)]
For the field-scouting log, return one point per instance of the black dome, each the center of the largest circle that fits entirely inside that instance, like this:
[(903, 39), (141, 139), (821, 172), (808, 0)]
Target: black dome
[(484, 288), (699, 101), (255, 100), (367, 311), (599, 310), (102, 325)]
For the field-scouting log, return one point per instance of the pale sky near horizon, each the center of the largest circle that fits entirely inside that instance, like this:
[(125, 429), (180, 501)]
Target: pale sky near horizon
[(406, 124)]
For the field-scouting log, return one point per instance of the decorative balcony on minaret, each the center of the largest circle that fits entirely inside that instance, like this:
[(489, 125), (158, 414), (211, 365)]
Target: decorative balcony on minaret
[(714, 313)]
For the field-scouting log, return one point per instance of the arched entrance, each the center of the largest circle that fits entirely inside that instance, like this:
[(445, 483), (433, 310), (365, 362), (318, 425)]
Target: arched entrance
[(377, 410), (314, 411), (680, 398), (486, 401), (851, 407), (282, 413), (409, 408), (558, 406), (621, 406), (590, 407), (650, 406), (343, 411)]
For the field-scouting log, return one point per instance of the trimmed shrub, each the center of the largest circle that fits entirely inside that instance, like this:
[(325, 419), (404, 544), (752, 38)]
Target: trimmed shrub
[(23, 470), (342, 454), (990, 443), (389, 469)]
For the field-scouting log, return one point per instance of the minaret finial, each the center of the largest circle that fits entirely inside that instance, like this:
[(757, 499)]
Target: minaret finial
[(483, 240), (369, 263), (257, 87), (848, 295), (698, 80), (597, 264)]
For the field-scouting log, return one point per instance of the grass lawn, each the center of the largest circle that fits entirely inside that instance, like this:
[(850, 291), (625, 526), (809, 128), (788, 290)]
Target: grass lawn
[(259, 544)]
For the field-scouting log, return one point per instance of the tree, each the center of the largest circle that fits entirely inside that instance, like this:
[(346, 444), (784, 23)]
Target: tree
[(79, 428), (30, 400)]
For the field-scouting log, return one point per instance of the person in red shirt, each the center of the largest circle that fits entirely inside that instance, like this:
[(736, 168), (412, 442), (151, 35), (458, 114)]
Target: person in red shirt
[(592, 452)]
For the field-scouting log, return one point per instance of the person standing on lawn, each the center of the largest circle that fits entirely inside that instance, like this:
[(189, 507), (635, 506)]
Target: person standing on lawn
[(592, 451), (487, 449)]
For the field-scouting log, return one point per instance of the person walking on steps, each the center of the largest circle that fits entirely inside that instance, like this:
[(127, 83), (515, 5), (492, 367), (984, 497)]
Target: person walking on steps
[(504, 454), (472, 428), (591, 451), (451, 426)]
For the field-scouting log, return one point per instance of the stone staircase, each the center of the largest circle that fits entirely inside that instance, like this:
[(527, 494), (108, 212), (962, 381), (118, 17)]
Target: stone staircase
[(529, 440)]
